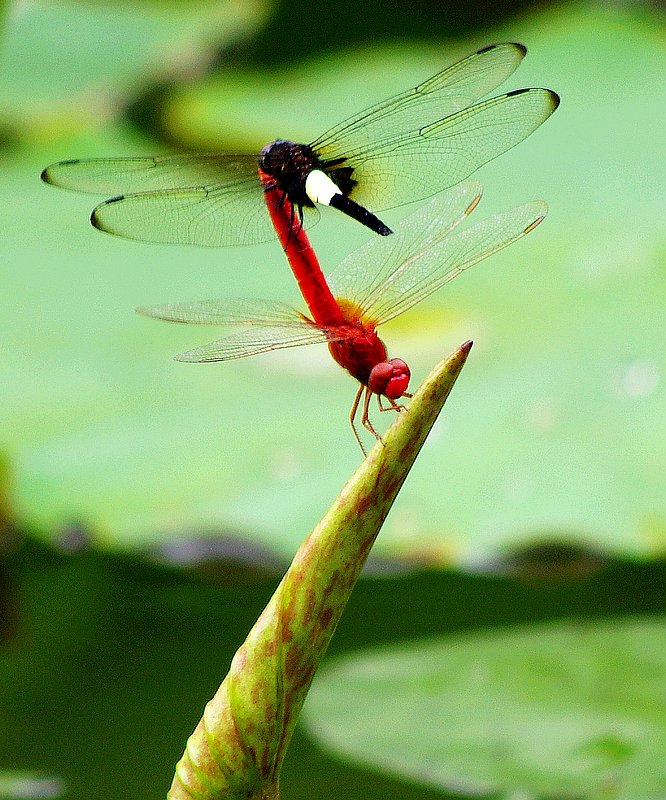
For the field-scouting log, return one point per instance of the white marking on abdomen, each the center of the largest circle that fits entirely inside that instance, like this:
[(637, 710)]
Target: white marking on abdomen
[(320, 188)]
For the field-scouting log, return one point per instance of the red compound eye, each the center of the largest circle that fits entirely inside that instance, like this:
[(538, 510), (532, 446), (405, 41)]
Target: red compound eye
[(389, 378)]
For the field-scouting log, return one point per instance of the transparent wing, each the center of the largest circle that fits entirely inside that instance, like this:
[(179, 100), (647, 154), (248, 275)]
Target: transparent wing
[(130, 175), (438, 259), (451, 90), (264, 326), (251, 342), (422, 162), (366, 273), (207, 200), (230, 311), (209, 217)]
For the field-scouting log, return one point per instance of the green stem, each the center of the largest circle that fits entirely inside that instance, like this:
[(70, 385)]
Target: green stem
[(238, 746)]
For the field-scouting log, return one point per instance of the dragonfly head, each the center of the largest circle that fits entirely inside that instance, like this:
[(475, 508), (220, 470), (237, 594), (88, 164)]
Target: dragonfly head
[(289, 164), (389, 378)]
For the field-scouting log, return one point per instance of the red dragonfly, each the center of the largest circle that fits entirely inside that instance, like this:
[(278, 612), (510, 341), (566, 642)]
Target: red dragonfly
[(403, 149), (376, 283)]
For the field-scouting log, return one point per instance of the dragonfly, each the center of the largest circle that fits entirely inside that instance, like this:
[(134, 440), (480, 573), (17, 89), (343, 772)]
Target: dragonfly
[(404, 149), (382, 279)]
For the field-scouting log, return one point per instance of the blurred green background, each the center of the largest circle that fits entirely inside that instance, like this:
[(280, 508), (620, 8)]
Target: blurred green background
[(558, 424), (549, 459)]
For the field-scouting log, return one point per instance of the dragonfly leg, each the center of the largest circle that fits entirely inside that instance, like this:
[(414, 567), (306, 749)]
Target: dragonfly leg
[(300, 220), (292, 216), (295, 221), (365, 419), (394, 406), (352, 415)]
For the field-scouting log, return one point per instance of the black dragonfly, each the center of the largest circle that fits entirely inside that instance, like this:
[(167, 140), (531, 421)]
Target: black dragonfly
[(404, 149)]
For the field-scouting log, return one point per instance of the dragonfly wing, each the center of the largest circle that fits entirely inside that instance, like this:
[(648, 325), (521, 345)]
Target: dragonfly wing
[(210, 199), (252, 342), (209, 217), (362, 275), (451, 90), (230, 311), (426, 161), (263, 326), (131, 175), (432, 267)]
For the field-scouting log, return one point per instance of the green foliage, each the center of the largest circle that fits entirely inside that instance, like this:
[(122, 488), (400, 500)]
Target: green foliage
[(68, 64), (566, 710)]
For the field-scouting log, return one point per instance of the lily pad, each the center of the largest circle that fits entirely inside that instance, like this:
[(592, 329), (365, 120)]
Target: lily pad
[(556, 429), (561, 710), (70, 63)]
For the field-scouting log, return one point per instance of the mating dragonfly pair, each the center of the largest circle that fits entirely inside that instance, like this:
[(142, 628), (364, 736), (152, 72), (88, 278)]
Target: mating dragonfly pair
[(412, 146)]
